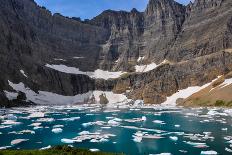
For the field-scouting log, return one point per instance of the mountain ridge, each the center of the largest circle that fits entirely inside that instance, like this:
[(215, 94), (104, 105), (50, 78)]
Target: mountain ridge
[(115, 40)]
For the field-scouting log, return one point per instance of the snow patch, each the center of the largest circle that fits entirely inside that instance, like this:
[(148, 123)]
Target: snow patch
[(23, 73), (97, 74), (11, 95), (145, 68), (184, 93), (49, 98)]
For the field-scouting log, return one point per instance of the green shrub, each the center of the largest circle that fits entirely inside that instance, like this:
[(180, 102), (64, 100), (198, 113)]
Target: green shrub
[(220, 103)]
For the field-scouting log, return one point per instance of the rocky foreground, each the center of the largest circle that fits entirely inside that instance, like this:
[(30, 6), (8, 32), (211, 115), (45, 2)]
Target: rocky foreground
[(167, 48)]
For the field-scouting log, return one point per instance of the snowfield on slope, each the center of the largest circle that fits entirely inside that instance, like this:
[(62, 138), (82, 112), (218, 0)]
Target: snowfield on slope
[(184, 93), (48, 98), (97, 74)]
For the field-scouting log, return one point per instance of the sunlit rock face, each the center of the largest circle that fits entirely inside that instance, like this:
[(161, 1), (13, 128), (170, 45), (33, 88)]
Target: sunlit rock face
[(193, 39)]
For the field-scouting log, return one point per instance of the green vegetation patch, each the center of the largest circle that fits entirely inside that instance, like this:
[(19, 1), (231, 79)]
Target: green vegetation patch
[(221, 103), (58, 150)]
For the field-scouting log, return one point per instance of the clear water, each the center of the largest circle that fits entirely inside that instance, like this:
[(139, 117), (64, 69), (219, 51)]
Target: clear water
[(188, 125)]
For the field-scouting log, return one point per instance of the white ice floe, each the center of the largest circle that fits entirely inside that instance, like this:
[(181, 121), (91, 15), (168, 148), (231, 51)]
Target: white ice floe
[(49, 98), (58, 126), (11, 95), (99, 123), (35, 124), (228, 150), (45, 148), (174, 138), (37, 115), (145, 68), (23, 73), (196, 144), (208, 153), (45, 119), (17, 141), (94, 150), (97, 74), (22, 132), (93, 137), (69, 119), (143, 119), (57, 130), (10, 122), (139, 136), (68, 141), (5, 147), (113, 123), (159, 122)]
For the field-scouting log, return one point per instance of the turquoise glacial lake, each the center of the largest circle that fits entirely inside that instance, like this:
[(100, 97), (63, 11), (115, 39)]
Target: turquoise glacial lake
[(132, 131)]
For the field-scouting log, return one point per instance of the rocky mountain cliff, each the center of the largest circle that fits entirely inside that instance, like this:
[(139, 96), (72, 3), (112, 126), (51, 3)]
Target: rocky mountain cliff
[(193, 40)]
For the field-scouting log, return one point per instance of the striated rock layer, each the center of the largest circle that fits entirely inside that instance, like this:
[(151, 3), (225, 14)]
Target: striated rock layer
[(195, 40)]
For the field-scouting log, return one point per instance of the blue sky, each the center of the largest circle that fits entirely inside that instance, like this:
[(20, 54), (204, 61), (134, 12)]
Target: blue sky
[(87, 9)]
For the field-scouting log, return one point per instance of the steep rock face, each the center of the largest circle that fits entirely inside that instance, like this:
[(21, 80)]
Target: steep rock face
[(206, 30), (122, 48), (163, 22), (31, 37), (155, 86)]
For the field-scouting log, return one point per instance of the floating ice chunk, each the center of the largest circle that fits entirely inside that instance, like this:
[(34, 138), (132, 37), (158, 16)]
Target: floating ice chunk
[(94, 150), (177, 125), (174, 138), (4, 147), (46, 120), (23, 73), (45, 148), (36, 115), (93, 123), (58, 126), (57, 130), (228, 150), (10, 122), (69, 119), (106, 127), (195, 143), (113, 123), (9, 117), (68, 141), (144, 118), (208, 153), (5, 126), (159, 122), (17, 141)]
